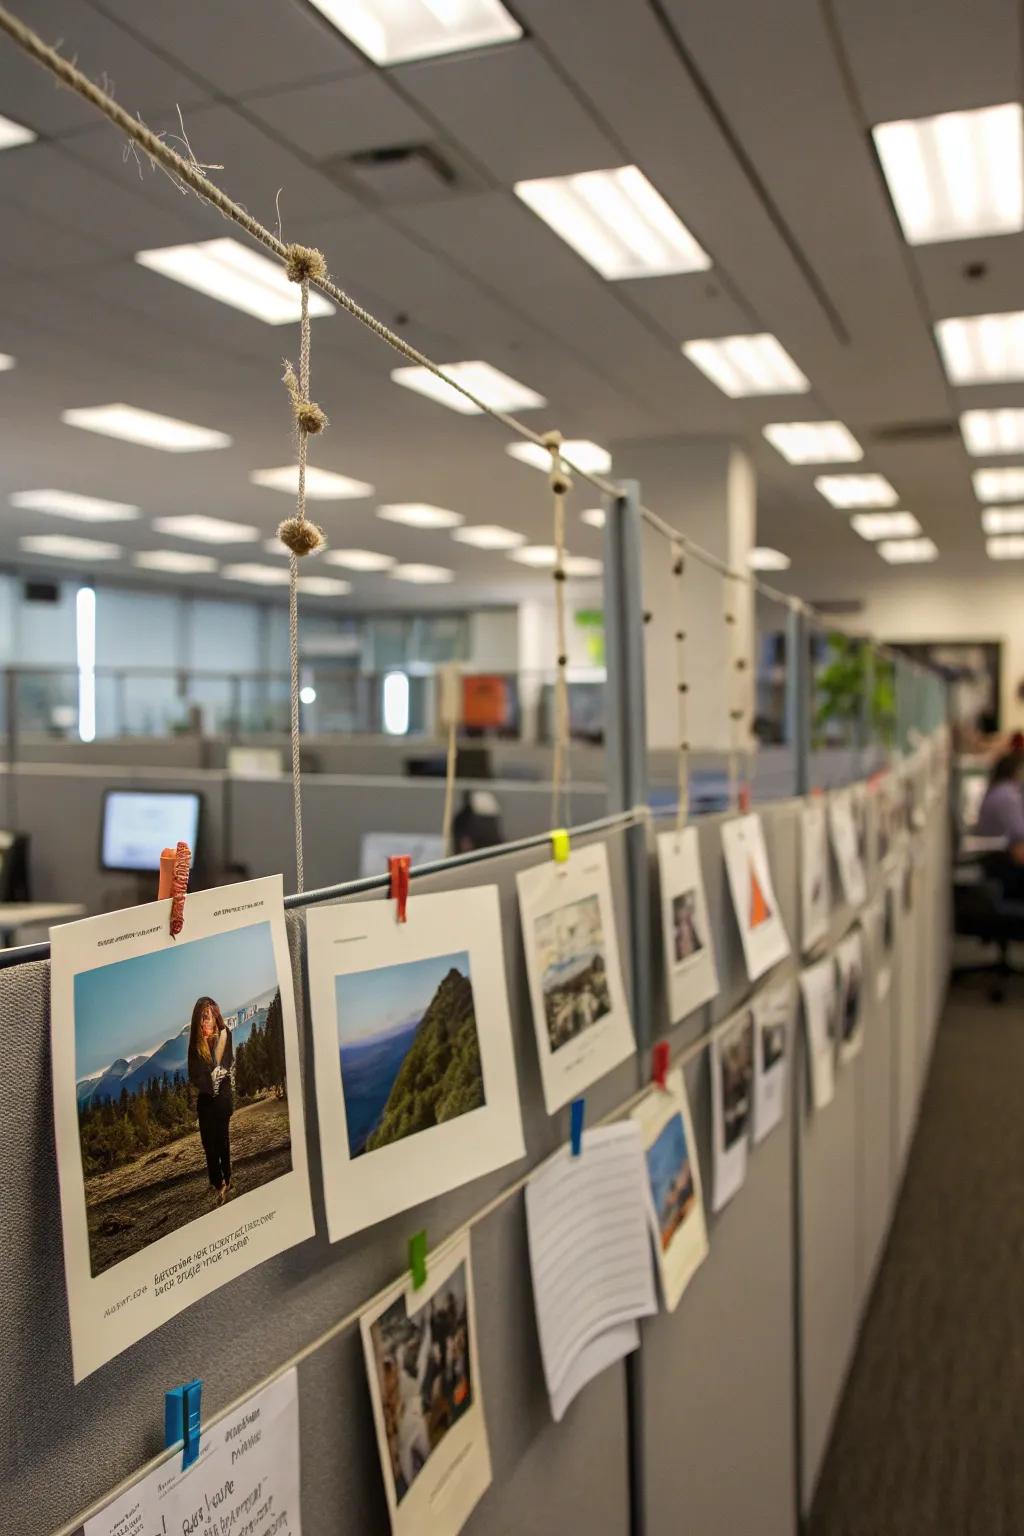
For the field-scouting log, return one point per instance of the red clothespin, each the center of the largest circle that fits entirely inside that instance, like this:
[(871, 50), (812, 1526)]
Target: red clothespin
[(398, 869), (659, 1063), (174, 869), (744, 797)]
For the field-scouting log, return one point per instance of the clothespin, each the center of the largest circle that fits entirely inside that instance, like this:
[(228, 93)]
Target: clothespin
[(418, 1259), (398, 869), (744, 797), (576, 1126), (659, 1063), (182, 1420), (174, 868), (560, 848)]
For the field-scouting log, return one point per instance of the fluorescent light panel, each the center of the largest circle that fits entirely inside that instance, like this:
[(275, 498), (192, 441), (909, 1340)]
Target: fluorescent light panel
[(488, 536), (321, 484), (395, 31), (65, 547), (955, 176), (983, 349), (258, 575), (814, 442), (617, 221), (206, 530), (145, 428), (1003, 520), (422, 575), (594, 517), (324, 586), (907, 551), (489, 384), (999, 484), (991, 432), (578, 452), (360, 559), (418, 514), (13, 134), (582, 565), (87, 509), (6, 361), (230, 272), (540, 556), (747, 365), (885, 525), (1009, 546), (177, 562), (764, 558), (856, 490)]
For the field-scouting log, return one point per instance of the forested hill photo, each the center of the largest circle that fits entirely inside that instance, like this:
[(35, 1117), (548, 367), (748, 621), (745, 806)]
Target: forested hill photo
[(440, 1077)]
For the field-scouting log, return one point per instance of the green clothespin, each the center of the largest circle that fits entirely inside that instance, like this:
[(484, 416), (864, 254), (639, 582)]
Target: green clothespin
[(418, 1259)]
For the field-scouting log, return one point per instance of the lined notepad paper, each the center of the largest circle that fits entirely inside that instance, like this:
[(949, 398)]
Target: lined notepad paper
[(590, 1257)]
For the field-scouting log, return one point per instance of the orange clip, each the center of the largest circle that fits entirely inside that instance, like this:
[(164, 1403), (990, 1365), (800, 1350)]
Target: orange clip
[(398, 869), (659, 1063), (174, 869), (744, 798)]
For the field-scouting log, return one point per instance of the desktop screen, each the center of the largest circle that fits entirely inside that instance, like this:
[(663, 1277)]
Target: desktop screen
[(139, 824)]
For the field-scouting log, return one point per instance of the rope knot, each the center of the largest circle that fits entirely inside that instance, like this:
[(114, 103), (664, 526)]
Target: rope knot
[(309, 418), (559, 481), (301, 536), (303, 262)]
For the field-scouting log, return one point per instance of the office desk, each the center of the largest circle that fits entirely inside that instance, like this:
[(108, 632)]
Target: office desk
[(18, 914)]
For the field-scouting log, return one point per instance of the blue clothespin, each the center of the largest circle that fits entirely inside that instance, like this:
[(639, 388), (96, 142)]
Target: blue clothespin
[(182, 1420), (576, 1126)]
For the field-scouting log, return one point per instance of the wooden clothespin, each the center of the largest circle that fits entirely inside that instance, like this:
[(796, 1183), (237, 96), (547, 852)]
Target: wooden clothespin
[(398, 868), (576, 1109), (659, 1063), (560, 847), (418, 1259), (175, 864), (182, 1420)]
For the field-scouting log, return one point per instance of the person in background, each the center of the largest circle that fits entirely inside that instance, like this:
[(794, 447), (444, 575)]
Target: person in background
[(1002, 815), (210, 1053)]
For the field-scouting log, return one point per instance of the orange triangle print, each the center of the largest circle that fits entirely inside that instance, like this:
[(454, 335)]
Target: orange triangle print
[(760, 911)]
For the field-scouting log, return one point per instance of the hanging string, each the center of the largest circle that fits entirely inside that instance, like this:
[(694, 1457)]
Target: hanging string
[(298, 534), (449, 679), (734, 666), (682, 691), (560, 484)]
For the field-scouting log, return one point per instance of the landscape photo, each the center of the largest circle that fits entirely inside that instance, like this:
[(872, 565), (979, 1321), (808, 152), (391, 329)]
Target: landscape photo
[(671, 1177), (736, 1056), (573, 969), (424, 1378), (687, 940), (410, 1054), (143, 1126)]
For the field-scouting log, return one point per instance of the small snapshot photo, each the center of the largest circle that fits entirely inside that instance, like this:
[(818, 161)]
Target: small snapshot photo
[(736, 1055), (670, 1171), (181, 1089), (574, 973), (773, 1045), (409, 1048), (424, 1378), (687, 938), (851, 1000), (889, 919)]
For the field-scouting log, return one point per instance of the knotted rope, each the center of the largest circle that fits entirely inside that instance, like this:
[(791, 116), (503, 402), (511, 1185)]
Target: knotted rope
[(682, 691), (735, 690), (560, 484)]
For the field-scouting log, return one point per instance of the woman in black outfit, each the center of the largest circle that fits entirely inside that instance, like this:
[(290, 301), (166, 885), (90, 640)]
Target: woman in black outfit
[(210, 1054)]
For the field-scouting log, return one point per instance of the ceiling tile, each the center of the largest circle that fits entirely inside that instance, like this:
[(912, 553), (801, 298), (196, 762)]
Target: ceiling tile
[(341, 117)]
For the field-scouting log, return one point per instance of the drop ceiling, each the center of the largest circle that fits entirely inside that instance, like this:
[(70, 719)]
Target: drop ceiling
[(753, 121)]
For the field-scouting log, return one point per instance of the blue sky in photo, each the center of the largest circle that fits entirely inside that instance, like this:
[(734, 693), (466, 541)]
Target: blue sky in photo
[(665, 1157), (376, 1002), (132, 1006)]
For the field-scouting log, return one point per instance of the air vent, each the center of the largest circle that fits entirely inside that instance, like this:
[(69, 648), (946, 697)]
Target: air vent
[(844, 605), (401, 173), (41, 592), (916, 432)]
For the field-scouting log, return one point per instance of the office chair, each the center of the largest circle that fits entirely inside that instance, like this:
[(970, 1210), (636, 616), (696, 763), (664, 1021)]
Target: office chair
[(982, 912)]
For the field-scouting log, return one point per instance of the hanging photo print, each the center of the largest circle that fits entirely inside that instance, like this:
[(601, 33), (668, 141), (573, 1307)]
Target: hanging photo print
[(762, 933), (673, 1173), (415, 1075), (732, 1076), (814, 880), (884, 829), (886, 935), (821, 1023), (690, 975), (845, 847), (423, 1370), (181, 1148), (580, 1011), (773, 1013), (850, 967)]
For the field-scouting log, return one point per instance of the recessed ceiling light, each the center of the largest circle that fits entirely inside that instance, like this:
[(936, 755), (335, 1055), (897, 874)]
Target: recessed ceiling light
[(360, 559), (146, 428), (955, 176), (541, 556), (395, 31), (992, 432), (765, 559), (207, 530), (225, 269), (258, 575), (89, 509), (885, 525), (324, 586), (422, 575), (814, 442), (983, 349), (907, 551), (321, 484), (12, 134), (577, 452), (998, 484), (417, 514), (856, 490), (594, 517), (491, 386), (1008, 547), (65, 547), (748, 365), (617, 221), (1003, 519), (582, 565), (488, 536), (176, 560), (6, 361)]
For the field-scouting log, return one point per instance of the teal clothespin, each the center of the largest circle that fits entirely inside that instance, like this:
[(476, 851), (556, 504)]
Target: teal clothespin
[(418, 1259), (576, 1126), (182, 1420)]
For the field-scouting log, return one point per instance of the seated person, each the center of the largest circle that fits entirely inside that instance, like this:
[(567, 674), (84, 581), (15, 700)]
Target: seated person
[(1002, 815)]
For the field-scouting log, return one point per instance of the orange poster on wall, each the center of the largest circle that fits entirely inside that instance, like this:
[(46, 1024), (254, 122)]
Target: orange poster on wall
[(485, 702)]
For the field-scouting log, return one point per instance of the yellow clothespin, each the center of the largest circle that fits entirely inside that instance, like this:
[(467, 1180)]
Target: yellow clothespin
[(560, 848)]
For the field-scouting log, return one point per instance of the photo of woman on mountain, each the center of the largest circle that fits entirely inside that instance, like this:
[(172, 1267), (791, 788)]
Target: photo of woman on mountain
[(210, 1054)]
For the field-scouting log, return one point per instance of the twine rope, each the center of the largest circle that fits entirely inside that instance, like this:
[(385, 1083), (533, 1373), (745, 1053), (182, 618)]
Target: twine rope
[(560, 484), (451, 760), (682, 690), (733, 664)]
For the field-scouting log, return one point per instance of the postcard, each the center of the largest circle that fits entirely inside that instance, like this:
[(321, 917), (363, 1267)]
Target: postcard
[(691, 978), (773, 1016), (181, 1148), (846, 847), (850, 966), (732, 1080), (762, 933), (676, 1205), (815, 895), (821, 1022), (415, 1073)]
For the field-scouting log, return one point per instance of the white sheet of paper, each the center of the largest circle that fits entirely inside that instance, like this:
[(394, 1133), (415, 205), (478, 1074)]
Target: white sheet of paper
[(844, 846), (888, 927), (850, 965), (691, 978), (773, 1018), (590, 1256), (675, 1196), (762, 934), (246, 1477), (421, 1346), (732, 1081), (884, 816), (398, 1009), (821, 1022), (580, 1012), (144, 1234), (815, 895)]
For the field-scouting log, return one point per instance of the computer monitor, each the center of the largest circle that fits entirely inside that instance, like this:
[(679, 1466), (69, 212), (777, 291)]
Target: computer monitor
[(138, 824)]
